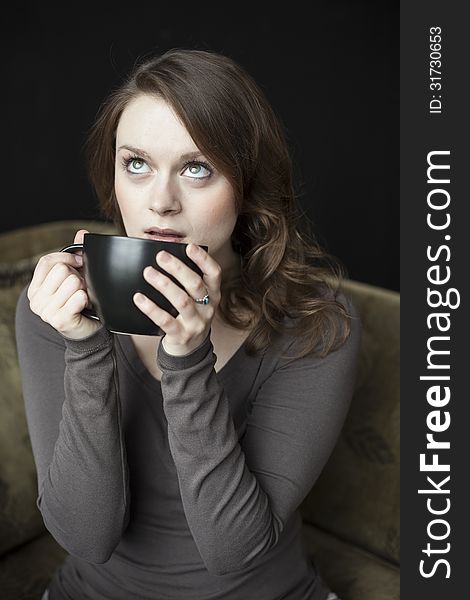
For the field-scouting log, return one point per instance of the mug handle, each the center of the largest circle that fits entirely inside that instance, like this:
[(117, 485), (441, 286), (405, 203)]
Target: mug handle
[(87, 312)]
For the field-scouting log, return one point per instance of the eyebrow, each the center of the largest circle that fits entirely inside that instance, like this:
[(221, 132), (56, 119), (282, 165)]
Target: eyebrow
[(140, 152)]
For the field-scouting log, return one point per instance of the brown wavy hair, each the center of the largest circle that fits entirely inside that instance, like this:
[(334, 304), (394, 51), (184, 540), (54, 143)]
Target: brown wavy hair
[(287, 281)]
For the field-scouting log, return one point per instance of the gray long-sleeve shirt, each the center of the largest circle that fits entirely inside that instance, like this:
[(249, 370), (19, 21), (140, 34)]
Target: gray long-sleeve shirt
[(184, 488)]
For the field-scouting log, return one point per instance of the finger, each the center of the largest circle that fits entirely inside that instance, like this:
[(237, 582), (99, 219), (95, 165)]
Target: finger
[(48, 305), (56, 276), (159, 316), (68, 287), (44, 266), (79, 236), (174, 294), (74, 305), (190, 280), (211, 270), (63, 317)]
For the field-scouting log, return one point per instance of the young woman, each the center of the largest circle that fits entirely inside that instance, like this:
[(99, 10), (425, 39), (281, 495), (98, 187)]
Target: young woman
[(173, 467)]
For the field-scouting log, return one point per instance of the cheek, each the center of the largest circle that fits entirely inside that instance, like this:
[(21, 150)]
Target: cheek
[(220, 210), (119, 192), (122, 198), (220, 215), (217, 221)]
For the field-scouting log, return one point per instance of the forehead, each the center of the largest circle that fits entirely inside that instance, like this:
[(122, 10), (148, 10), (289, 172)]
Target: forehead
[(148, 122)]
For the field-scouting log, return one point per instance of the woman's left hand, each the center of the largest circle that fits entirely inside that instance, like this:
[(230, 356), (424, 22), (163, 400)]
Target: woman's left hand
[(190, 328)]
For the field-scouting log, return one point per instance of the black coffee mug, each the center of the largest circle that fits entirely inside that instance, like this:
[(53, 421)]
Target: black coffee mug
[(113, 268)]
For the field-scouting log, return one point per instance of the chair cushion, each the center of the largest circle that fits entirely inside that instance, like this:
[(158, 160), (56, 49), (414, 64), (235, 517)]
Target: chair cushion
[(357, 495), (25, 572), (27, 242), (352, 573)]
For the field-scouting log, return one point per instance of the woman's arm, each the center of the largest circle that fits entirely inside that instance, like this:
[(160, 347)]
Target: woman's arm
[(73, 414), (238, 496)]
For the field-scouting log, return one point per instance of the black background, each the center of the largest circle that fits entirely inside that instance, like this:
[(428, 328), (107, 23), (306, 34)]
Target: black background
[(332, 77)]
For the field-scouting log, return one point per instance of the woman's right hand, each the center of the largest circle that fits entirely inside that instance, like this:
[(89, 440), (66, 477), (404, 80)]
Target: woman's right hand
[(57, 293)]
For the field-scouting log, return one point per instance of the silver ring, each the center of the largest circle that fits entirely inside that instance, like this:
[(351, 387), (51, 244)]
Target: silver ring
[(204, 300)]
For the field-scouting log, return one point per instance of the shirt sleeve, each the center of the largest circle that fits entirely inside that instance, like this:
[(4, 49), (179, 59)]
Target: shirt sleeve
[(73, 414), (239, 494)]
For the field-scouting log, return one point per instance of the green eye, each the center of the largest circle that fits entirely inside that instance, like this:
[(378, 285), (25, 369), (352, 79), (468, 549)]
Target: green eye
[(135, 165), (198, 170)]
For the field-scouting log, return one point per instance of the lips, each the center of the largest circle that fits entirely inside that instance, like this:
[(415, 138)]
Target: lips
[(170, 235)]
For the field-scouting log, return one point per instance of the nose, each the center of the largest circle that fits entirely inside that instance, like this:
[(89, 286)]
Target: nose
[(164, 197)]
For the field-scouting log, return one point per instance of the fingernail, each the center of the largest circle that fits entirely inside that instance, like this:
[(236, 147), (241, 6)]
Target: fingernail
[(78, 259)]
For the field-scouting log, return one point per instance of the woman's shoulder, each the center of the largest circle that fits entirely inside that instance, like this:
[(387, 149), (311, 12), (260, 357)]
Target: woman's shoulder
[(289, 342), (337, 293)]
